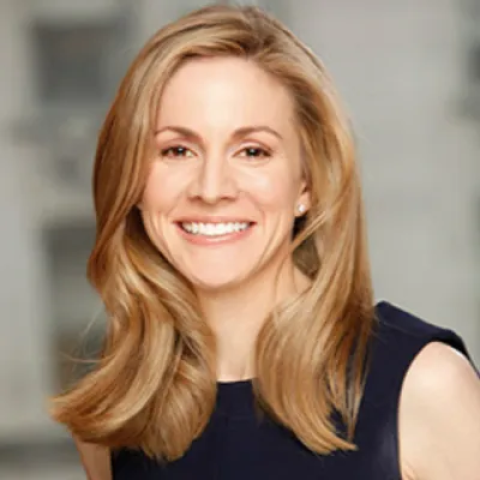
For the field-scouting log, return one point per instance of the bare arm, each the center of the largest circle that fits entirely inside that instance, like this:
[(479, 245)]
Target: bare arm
[(95, 460), (439, 425)]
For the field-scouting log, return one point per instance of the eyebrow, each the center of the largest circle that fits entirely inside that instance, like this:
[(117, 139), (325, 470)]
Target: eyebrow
[(238, 133)]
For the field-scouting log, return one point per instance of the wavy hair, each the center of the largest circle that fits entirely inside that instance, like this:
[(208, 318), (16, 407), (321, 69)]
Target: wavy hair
[(154, 386)]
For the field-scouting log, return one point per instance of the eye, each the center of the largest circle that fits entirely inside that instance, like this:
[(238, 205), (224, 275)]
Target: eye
[(176, 151), (255, 152)]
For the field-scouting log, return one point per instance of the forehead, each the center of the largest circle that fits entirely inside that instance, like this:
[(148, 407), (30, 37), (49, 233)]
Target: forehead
[(225, 92)]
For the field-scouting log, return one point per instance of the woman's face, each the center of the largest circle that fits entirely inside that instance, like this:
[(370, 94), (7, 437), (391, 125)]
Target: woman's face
[(226, 180)]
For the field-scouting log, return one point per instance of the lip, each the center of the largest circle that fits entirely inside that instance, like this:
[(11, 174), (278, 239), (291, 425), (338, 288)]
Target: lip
[(213, 219)]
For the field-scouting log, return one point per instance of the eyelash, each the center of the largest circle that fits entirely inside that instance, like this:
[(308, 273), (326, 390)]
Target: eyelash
[(263, 152), (165, 152)]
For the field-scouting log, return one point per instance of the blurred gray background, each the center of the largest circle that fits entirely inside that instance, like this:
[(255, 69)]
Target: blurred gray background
[(409, 74)]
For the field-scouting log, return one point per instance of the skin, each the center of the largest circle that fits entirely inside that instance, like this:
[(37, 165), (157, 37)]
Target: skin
[(439, 417), (226, 146), (95, 460), (212, 174)]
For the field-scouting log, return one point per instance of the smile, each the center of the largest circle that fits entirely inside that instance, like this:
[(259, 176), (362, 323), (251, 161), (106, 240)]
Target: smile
[(214, 229)]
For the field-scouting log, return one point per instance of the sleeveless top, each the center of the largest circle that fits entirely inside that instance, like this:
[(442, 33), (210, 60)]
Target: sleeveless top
[(237, 444)]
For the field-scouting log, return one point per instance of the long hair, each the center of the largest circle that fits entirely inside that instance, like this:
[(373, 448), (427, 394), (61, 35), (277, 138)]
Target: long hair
[(154, 387)]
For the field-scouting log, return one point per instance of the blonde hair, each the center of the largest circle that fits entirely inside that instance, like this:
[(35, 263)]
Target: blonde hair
[(154, 387)]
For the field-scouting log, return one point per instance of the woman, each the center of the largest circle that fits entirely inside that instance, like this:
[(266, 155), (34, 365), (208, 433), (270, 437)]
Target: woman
[(230, 255)]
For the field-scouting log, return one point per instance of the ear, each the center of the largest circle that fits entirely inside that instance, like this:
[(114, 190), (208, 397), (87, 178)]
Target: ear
[(304, 199)]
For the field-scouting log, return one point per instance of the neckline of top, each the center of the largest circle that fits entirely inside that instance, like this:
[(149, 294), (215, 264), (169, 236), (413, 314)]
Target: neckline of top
[(235, 398), (224, 384)]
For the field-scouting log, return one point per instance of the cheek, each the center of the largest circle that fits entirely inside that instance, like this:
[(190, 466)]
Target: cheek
[(161, 191), (274, 192)]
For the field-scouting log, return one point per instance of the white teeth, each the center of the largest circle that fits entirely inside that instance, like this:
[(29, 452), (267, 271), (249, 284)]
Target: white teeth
[(214, 229)]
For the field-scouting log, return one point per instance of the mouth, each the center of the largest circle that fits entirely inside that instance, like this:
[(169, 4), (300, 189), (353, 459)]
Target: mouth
[(214, 232), (211, 229)]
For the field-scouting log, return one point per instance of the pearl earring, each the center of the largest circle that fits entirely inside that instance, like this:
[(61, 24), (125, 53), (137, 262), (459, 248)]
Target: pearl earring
[(301, 208)]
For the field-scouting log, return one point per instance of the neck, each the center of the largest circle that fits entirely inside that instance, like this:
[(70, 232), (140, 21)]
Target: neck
[(237, 315)]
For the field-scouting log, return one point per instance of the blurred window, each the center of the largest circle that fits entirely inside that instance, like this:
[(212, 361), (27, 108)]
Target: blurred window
[(76, 62)]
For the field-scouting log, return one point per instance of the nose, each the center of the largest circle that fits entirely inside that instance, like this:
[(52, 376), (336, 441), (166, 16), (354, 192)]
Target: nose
[(214, 180)]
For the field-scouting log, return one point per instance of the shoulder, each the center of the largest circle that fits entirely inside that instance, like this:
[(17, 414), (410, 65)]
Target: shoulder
[(397, 338), (439, 418), (95, 460), (402, 335), (402, 323), (413, 405)]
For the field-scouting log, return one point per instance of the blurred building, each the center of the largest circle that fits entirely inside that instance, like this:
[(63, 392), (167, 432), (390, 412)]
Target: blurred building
[(409, 73)]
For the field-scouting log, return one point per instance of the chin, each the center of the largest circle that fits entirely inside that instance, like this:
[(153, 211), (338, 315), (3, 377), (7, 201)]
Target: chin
[(217, 273), (215, 284)]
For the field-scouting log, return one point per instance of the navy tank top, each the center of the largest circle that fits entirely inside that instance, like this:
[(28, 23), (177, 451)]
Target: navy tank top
[(237, 445)]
